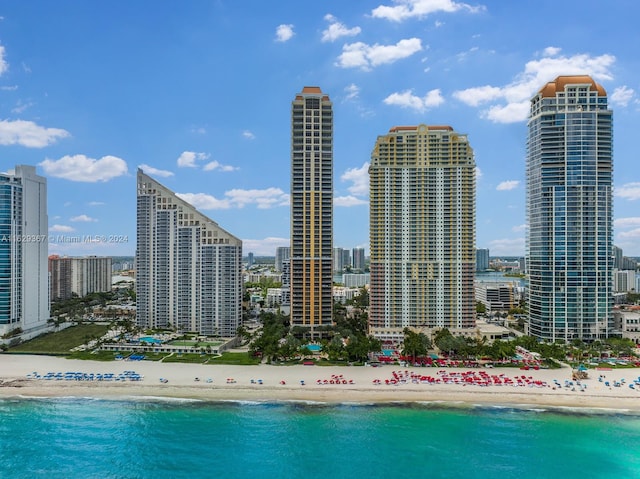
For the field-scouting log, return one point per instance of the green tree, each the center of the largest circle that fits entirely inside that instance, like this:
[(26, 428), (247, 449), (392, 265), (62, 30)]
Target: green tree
[(415, 344)]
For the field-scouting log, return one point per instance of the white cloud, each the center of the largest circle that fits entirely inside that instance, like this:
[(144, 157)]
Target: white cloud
[(284, 33), (630, 235), (551, 51), (405, 9), (237, 198), (61, 229), (85, 169), (363, 56), (478, 173), (29, 134), (337, 30), (622, 96), (4, 66), (21, 107), (519, 228), (359, 177), (352, 91), (188, 159), (248, 135), (348, 201), (96, 203), (202, 201), (536, 74), (407, 99), (263, 199), (214, 165), (630, 191), (477, 95), (507, 247), (632, 222), (264, 247), (508, 185), (155, 171), (83, 219)]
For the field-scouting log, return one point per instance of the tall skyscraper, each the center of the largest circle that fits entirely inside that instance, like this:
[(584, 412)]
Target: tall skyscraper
[(338, 259), (569, 211), (282, 254), (311, 209), (24, 242), (422, 231), (188, 269), (482, 259), (358, 259), (89, 274)]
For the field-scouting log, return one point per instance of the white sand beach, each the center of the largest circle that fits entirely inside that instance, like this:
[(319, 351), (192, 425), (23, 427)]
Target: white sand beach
[(357, 384)]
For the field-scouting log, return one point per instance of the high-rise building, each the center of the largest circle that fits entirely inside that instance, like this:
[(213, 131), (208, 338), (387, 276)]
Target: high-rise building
[(24, 279), (482, 259), (311, 209), (357, 255), (188, 269), (80, 276), (569, 211), (282, 254), (338, 259), (422, 231)]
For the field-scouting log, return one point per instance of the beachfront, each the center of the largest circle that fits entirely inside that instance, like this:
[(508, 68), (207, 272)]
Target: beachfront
[(24, 376)]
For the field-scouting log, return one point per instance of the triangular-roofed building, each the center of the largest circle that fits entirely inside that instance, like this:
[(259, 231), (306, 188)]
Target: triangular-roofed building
[(188, 269)]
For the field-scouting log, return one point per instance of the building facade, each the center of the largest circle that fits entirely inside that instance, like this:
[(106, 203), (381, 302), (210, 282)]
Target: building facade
[(311, 209), (24, 279), (482, 259), (188, 269), (282, 254), (80, 276), (569, 211), (422, 231), (357, 257)]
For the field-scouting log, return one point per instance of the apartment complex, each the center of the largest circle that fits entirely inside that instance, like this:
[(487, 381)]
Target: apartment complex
[(188, 269), (80, 276), (422, 231), (569, 211), (24, 282), (311, 209)]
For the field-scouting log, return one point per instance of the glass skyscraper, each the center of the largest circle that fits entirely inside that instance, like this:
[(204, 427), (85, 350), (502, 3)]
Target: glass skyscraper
[(24, 242), (311, 210), (569, 211)]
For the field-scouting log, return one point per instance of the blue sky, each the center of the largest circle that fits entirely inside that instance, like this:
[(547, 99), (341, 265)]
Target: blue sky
[(200, 92)]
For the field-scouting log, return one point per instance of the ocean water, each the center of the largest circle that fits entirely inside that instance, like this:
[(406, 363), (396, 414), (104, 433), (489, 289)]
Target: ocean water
[(88, 438)]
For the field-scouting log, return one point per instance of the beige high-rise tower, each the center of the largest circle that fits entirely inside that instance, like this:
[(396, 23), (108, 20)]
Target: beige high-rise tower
[(311, 210), (422, 231)]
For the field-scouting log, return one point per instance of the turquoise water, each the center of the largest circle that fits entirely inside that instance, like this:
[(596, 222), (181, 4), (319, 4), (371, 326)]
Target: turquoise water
[(84, 438)]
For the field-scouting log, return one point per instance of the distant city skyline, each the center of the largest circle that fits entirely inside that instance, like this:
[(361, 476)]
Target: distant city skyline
[(198, 95)]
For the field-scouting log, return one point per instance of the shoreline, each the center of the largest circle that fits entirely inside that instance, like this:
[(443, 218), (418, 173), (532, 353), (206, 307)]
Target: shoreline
[(312, 384)]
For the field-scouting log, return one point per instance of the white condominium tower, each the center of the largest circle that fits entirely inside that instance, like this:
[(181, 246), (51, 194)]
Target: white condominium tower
[(422, 231), (311, 210), (188, 269), (569, 211), (24, 279)]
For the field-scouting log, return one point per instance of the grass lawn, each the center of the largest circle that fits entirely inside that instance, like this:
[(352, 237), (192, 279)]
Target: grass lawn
[(240, 359), (61, 342)]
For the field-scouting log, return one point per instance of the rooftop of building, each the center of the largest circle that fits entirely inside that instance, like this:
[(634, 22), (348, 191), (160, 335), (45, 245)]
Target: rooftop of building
[(561, 82)]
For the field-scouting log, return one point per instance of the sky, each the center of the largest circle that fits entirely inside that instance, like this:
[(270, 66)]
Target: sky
[(198, 94)]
